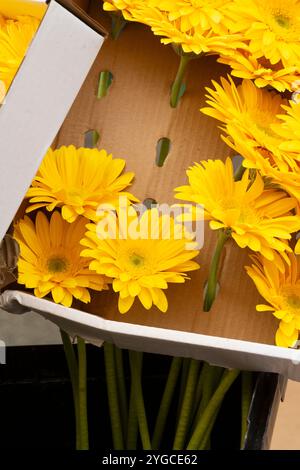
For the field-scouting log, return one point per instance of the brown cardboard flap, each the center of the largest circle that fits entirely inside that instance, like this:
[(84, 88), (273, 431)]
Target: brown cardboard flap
[(80, 8), (130, 120)]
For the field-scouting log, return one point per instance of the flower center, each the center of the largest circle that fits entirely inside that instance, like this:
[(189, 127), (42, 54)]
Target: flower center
[(57, 264), (294, 301), (137, 260), (283, 21), (291, 294)]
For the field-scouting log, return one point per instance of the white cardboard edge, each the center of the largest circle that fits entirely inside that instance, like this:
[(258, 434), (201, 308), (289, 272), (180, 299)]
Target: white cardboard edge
[(51, 75), (215, 350)]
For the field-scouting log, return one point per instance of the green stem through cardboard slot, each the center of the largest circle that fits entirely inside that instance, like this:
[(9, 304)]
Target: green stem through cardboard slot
[(179, 87)]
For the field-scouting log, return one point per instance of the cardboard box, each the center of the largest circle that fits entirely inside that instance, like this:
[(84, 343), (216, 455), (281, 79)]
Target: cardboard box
[(130, 120)]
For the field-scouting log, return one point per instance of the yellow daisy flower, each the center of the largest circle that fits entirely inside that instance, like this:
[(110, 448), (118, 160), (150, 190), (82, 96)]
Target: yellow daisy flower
[(254, 217), (244, 65), (250, 109), (257, 128), (288, 129), (15, 38), (282, 172), (202, 14), (271, 27), (141, 266), (79, 181), (281, 290), (50, 261)]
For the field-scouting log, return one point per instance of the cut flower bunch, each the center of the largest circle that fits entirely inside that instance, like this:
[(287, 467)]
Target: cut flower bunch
[(255, 205), (84, 184), (84, 232), (263, 128)]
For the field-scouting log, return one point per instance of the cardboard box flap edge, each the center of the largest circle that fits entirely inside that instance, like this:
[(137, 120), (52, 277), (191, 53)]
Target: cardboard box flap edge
[(215, 350), (74, 8)]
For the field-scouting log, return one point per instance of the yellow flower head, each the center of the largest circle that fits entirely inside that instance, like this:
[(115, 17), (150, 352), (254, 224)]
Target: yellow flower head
[(288, 129), (251, 110), (283, 172), (256, 218), (15, 38), (244, 65), (140, 265), (50, 259), (262, 128), (281, 290), (79, 181), (272, 28), (202, 14), (195, 25)]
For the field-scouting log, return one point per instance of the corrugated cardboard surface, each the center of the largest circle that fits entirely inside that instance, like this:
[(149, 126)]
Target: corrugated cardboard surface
[(130, 120)]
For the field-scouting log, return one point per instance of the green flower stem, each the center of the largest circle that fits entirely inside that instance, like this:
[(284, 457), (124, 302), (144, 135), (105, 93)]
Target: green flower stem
[(104, 84), (73, 372), (82, 393), (205, 443), (177, 85), (210, 377), (112, 392), (166, 402), (228, 378), (183, 379), (121, 389), (135, 360), (133, 425), (212, 282), (239, 172), (199, 389), (187, 405), (118, 23), (246, 402)]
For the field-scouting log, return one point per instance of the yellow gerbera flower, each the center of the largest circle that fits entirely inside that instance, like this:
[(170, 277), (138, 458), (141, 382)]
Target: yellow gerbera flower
[(282, 172), (172, 27), (250, 109), (79, 181), (15, 38), (271, 27), (141, 266), (50, 259), (281, 290), (244, 65), (202, 14), (288, 129), (257, 128), (254, 217)]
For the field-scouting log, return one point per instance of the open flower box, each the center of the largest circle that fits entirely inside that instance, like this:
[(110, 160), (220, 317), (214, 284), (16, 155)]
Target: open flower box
[(131, 120)]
